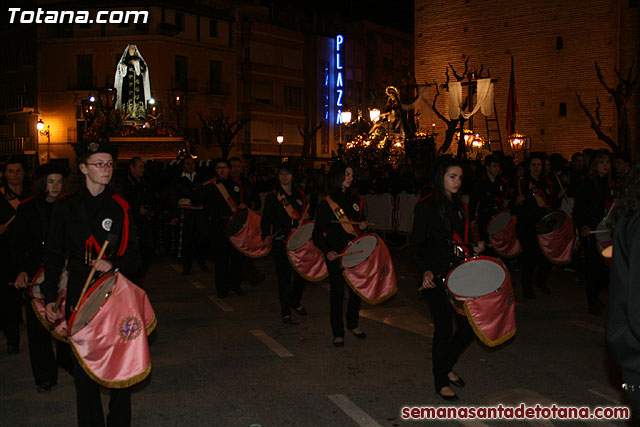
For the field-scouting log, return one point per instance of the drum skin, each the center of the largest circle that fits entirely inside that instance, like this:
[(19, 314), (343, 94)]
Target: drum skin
[(112, 347), (557, 238), (246, 236), (305, 257), (374, 278), (492, 315), (502, 234)]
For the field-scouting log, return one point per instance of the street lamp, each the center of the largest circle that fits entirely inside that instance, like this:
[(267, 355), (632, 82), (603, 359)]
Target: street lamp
[(345, 117), (374, 114), (280, 141), (45, 132)]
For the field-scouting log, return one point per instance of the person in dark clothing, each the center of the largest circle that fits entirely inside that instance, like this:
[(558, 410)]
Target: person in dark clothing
[(11, 194), (623, 318), (490, 196), (331, 238), (80, 223), (31, 227), (536, 199), (284, 209), (440, 218), (222, 197), (593, 201)]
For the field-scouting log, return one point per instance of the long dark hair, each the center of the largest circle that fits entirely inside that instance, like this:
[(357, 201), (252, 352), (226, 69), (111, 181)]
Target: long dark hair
[(335, 179), (439, 193), (40, 186)]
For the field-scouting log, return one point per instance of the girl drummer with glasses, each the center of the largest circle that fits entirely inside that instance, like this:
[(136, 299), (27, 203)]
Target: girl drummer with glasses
[(439, 219)]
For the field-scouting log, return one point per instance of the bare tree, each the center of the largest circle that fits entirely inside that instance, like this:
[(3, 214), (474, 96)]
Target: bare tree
[(307, 133), (221, 129), (621, 94)]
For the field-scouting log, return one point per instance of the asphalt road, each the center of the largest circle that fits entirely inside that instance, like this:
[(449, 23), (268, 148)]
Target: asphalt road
[(232, 362)]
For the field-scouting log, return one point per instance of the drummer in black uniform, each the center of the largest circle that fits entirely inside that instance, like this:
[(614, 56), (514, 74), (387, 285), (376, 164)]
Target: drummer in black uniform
[(331, 238), (490, 196), (32, 225), (80, 224), (593, 201), (227, 259), (440, 218), (284, 209)]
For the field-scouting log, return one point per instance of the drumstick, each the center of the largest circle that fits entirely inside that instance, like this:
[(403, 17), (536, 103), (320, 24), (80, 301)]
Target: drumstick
[(351, 222), (488, 245), (566, 199), (306, 209), (599, 231), (349, 253), (91, 273)]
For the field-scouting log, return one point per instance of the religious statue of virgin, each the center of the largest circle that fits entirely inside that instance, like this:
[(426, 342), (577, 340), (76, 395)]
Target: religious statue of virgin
[(132, 84)]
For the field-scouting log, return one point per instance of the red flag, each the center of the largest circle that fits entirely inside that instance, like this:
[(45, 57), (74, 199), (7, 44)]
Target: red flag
[(512, 104)]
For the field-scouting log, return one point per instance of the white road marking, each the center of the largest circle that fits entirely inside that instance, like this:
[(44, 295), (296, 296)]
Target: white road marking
[(604, 396), (401, 317), (177, 267), (198, 285), (223, 305), (353, 411), (274, 345), (587, 325)]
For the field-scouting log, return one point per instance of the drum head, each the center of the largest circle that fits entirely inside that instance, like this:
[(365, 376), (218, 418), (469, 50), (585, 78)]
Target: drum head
[(607, 252), (97, 296), (237, 221), (300, 237), (604, 234), (37, 280), (476, 277), (361, 249), (551, 222), (499, 222)]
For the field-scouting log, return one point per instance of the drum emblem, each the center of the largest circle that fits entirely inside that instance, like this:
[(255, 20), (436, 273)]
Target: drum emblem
[(356, 207), (236, 189), (298, 201), (384, 271), (130, 328), (107, 223), (93, 147)]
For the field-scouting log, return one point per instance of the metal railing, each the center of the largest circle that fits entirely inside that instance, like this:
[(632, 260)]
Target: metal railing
[(17, 144)]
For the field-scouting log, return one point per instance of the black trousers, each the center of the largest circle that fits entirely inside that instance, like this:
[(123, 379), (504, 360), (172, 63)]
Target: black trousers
[(10, 309), (535, 266), (337, 286), (228, 261), (447, 346), (194, 232), (290, 293), (596, 273), (89, 405)]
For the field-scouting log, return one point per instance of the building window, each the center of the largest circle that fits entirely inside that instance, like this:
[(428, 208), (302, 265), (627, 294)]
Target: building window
[(85, 72), (559, 43), (181, 72), (215, 76), (293, 97), (563, 109), (213, 28), (179, 21)]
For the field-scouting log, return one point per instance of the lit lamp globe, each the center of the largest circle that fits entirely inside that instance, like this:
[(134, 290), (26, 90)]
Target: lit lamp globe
[(280, 138), (345, 116), (374, 114), (40, 125)]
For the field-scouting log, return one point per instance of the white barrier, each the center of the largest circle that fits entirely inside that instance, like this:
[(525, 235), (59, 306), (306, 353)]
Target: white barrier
[(379, 209), (404, 212)]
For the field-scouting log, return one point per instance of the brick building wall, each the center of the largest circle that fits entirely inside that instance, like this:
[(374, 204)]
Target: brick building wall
[(554, 45)]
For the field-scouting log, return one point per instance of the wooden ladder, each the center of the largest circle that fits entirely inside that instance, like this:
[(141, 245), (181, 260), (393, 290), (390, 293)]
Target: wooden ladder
[(493, 129)]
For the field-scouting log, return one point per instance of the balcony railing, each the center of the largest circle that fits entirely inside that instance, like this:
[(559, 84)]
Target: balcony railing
[(17, 145)]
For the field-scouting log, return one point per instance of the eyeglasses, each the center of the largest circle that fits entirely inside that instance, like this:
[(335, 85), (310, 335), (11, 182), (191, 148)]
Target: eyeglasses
[(101, 165)]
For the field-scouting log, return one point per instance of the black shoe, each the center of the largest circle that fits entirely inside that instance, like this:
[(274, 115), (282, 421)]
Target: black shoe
[(257, 279), (544, 289), (44, 387), (448, 398), (300, 310), (12, 349), (222, 294), (338, 341), (238, 290), (287, 320), (458, 383), (360, 334), (203, 266)]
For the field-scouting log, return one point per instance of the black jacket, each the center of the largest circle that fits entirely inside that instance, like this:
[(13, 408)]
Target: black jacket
[(593, 200), (214, 204), (31, 227), (487, 199), (275, 217), (623, 323), (329, 236)]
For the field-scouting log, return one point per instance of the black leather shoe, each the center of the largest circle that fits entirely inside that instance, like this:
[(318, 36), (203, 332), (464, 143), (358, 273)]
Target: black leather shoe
[(338, 342), (448, 398), (360, 334), (12, 349), (544, 289), (458, 383), (300, 310), (44, 387)]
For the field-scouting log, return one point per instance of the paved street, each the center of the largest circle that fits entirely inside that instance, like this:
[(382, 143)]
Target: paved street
[(231, 362)]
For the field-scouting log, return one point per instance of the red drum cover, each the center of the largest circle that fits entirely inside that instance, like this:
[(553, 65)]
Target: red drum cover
[(304, 256), (557, 237), (59, 328), (248, 238), (112, 347), (372, 277), (502, 234), (489, 303)]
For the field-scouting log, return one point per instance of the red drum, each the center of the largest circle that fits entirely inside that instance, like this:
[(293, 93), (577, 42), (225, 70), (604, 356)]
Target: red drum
[(304, 256), (59, 328), (502, 234), (557, 237), (368, 269), (245, 235), (108, 332), (481, 290)]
